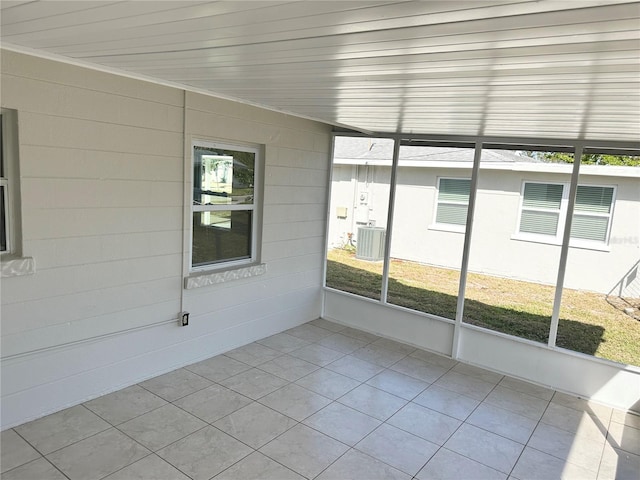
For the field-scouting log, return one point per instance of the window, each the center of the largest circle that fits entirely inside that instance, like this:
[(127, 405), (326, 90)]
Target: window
[(453, 201), (545, 204), (541, 205), (224, 222), (13, 262), (4, 203), (592, 213), (8, 174)]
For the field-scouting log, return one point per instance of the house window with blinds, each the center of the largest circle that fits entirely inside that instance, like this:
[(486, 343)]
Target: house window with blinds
[(453, 202), (544, 206), (592, 213), (541, 207)]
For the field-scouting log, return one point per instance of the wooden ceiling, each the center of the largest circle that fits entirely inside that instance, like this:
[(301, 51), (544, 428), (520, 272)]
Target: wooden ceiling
[(510, 68)]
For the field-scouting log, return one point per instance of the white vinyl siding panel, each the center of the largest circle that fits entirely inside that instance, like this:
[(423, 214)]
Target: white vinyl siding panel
[(453, 201)]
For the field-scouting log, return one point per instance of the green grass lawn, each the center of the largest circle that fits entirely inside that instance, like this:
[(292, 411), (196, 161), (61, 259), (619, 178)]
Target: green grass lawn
[(588, 323)]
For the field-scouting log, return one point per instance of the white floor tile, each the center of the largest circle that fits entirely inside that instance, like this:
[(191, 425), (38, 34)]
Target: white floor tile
[(427, 424), (60, 429), (295, 401), (485, 447), (161, 427), (15, 451), (448, 465), (398, 448), (304, 450), (97, 456), (205, 453), (447, 402), (355, 465), (218, 368), (373, 401), (34, 470), (213, 403), (342, 423), (123, 405), (255, 424), (174, 385), (258, 467), (327, 383)]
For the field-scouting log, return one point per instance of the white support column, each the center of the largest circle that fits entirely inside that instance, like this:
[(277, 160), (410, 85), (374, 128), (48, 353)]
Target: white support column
[(328, 217), (465, 250), (392, 201), (564, 251)]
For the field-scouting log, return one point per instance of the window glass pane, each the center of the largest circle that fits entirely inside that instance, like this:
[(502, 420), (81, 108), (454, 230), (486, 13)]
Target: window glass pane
[(593, 199), (454, 190), (3, 221), (453, 214), (590, 228), (511, 283), (358, 214), (424, 273), (223, 177), (600, 309), (221, 236), (541, 223), (541, 195)]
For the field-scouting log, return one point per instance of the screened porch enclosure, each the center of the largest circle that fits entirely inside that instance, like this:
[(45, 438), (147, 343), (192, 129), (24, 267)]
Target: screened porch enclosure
[(521, 240), (170, 158)]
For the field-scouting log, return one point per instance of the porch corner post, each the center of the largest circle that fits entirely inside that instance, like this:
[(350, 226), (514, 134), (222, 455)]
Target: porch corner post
[(392, 201), (455, 348), (564, 251)]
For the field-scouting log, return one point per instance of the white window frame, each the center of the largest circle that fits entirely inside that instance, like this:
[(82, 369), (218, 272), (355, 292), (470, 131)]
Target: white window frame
[(447, 227), (12, 263), (8, 230), (7, 180), (581, 242), (254, 207), (564, 203)]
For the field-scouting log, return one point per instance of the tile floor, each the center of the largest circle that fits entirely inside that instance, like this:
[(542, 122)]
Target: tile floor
[(327, 402)]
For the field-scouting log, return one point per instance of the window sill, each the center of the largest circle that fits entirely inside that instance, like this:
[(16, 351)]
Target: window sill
[(447, 228), (12, 266), (204, 279), (554, 241)]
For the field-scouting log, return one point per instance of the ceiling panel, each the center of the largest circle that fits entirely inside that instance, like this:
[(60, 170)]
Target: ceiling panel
[(516, 68)]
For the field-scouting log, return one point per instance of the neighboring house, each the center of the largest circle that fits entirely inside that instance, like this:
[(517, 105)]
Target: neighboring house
[(519, 215)]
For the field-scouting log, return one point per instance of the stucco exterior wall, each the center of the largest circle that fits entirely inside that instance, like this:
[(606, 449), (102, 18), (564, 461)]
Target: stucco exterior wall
[(494, 250)]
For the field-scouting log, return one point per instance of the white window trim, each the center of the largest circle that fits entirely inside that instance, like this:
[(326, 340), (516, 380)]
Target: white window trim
[(8, 214), (257, 200), (557, 239), (12, 263), (446, 227), (8, 153)]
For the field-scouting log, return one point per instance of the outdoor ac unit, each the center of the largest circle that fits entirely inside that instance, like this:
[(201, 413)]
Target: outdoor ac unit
[(370, 243)]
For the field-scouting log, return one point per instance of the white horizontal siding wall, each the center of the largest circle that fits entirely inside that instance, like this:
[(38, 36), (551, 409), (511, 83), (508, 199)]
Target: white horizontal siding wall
[(105, 212)]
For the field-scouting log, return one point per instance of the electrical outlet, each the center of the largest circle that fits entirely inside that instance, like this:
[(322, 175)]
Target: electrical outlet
[(184, 319)]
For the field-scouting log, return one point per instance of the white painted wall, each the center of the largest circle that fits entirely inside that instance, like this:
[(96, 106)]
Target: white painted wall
[(105, 211), (493, 250)]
